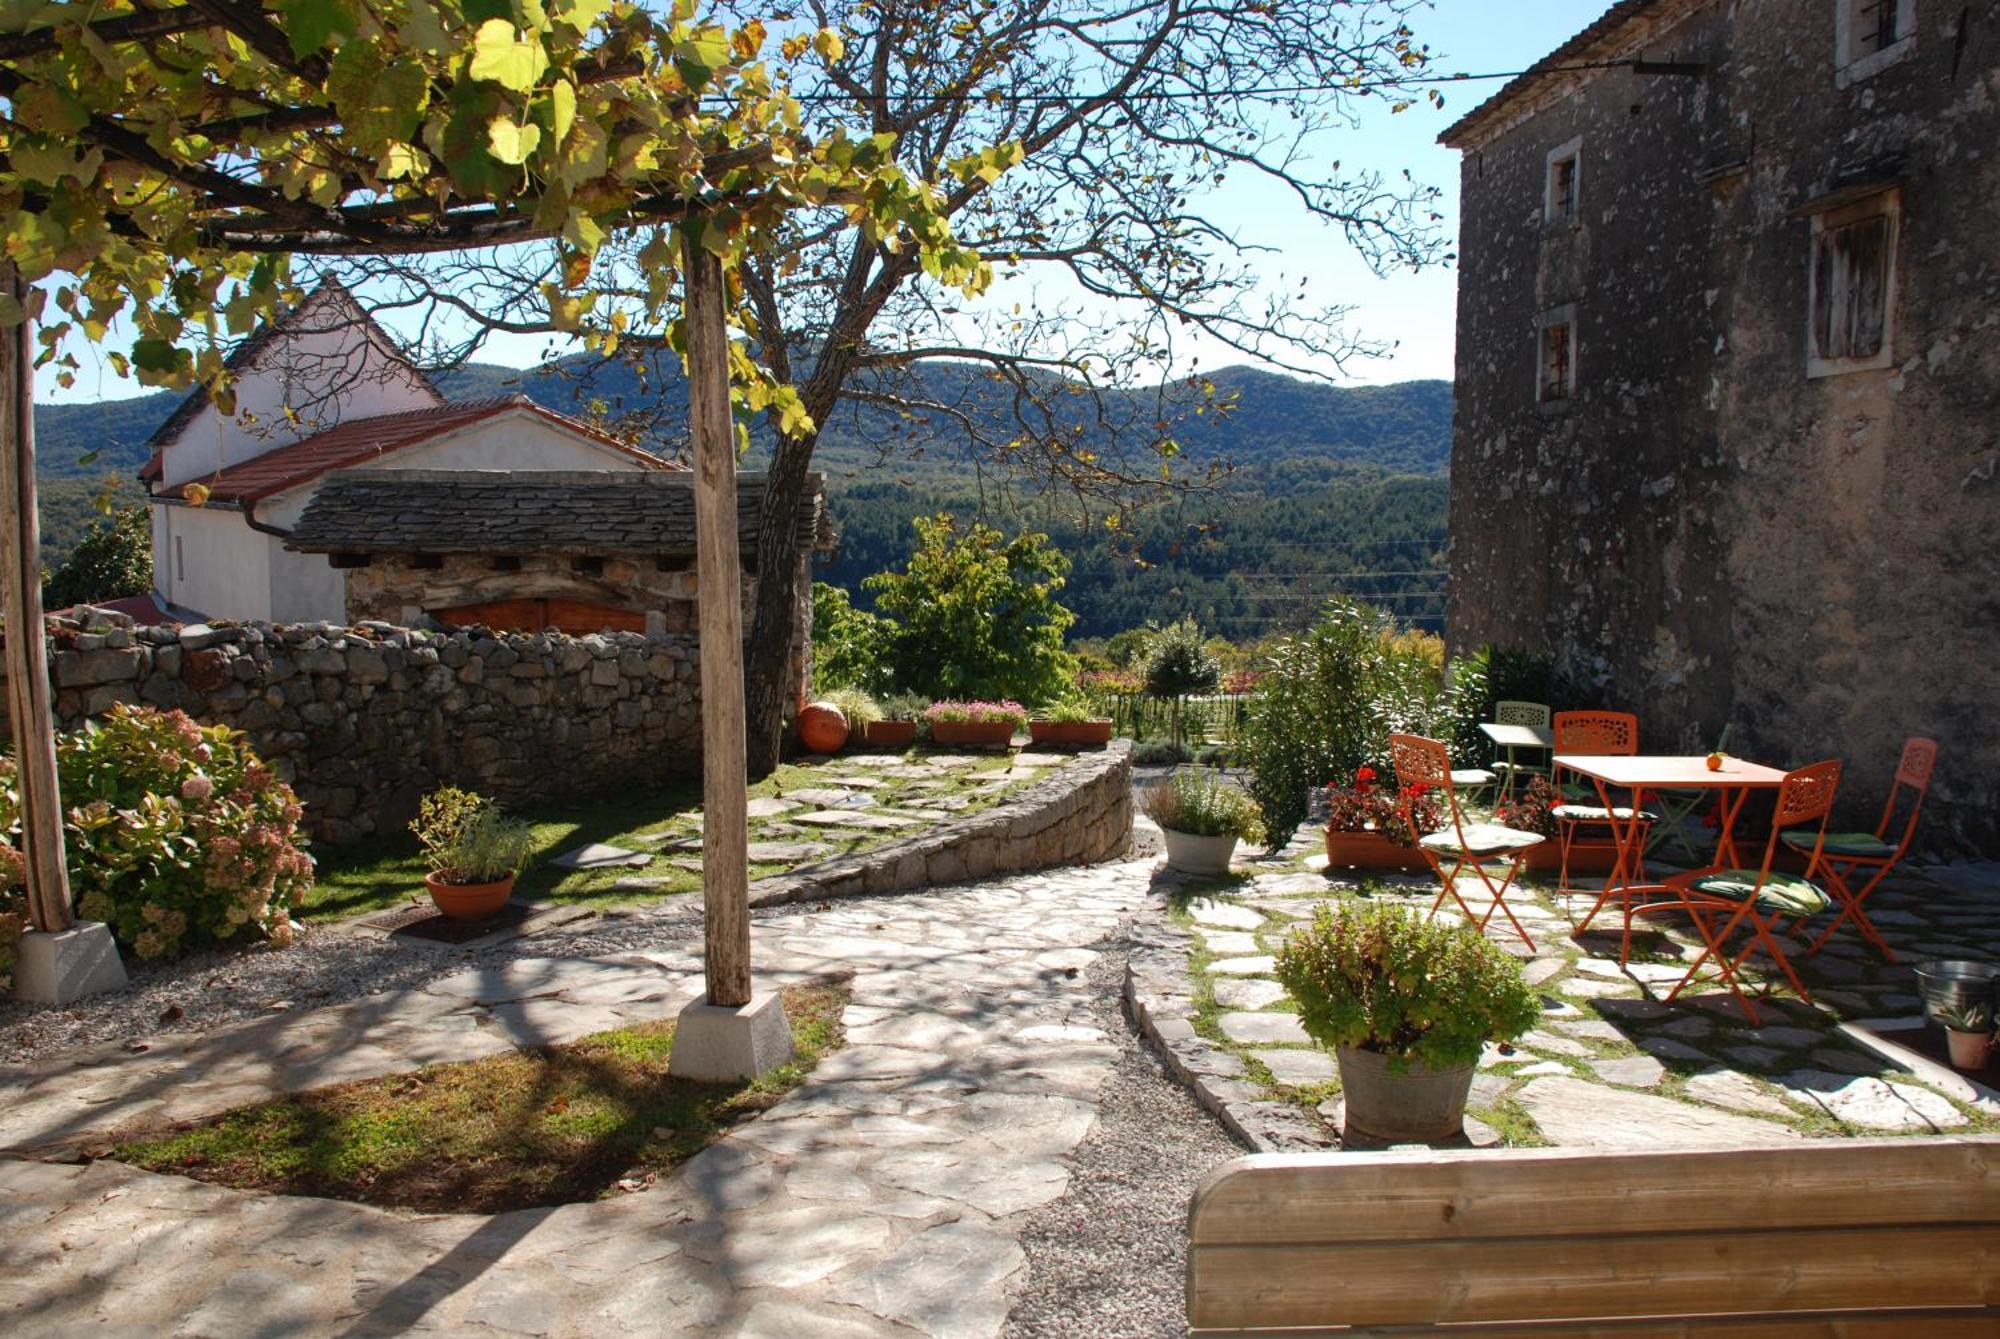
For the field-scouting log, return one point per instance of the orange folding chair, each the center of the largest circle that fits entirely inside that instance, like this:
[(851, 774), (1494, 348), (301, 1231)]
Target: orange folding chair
[(1844, 854), (1425, 765), (1599, 733), (1721, 901)]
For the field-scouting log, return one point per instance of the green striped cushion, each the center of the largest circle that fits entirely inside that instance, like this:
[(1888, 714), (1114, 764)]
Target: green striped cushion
[(1786, 893)]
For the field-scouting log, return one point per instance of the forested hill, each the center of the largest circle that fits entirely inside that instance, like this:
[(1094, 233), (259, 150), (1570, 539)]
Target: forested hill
[(1332, 490)]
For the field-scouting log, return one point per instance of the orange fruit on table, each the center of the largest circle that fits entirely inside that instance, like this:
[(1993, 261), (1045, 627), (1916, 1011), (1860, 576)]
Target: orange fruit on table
[(1715, 761)]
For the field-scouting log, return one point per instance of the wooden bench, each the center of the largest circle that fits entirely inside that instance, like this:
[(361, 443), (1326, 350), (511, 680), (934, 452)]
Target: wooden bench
[(1888, 1239)]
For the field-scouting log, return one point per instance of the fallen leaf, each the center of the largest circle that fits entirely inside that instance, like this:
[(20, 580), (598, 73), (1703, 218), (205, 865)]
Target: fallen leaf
[(173, 1013)]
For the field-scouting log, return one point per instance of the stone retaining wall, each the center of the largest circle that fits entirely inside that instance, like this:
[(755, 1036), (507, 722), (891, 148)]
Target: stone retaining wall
[(1080, 815), (363, 720)]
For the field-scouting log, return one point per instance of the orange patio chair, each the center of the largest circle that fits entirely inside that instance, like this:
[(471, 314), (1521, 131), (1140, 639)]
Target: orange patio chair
[(1425, 765), (1602, 733), (1721, 901), (1844, 854)]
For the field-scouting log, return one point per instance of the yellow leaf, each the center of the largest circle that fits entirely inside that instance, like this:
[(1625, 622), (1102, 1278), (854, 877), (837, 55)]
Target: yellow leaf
[(402, 160), (511, 142), (829, 45), (196, 494), (500, 54), (562, 103)]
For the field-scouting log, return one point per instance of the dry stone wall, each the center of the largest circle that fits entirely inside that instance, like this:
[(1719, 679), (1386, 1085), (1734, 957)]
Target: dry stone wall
[(363, 720)]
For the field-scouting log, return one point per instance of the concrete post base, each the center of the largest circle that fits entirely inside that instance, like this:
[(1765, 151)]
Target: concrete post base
[(64, 967), (717, 1044)]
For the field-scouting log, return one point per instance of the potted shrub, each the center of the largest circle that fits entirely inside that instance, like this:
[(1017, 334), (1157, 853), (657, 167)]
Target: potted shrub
[(474, 850), (1533, 810), (857, 709), (1405, 1004), (1369, 828), (1969, 1032), (987, 723), (897, 729), (1203, 817), (1070, 724)]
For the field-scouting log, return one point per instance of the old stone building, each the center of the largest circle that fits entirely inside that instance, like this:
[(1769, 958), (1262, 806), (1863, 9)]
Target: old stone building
[(1729, 380)]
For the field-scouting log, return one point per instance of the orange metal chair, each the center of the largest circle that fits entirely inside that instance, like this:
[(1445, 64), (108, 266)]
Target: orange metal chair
[(1425, 764), (1602, 733), (1721, 901), (1846, 853)]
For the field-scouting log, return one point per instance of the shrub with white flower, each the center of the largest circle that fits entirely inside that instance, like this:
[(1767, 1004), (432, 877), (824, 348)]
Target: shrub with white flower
[(178, 836)]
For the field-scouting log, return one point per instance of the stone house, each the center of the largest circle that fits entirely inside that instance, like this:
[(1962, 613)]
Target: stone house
[(323, 388), (1728, 381)]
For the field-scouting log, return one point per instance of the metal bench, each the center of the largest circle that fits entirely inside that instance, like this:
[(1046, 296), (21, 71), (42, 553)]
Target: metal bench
[(1882, 1239)]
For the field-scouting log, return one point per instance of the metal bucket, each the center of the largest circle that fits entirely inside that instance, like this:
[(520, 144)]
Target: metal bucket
[(1953, 984)]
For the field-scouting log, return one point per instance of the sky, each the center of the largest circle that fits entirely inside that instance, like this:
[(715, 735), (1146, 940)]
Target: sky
[(1415, 313)]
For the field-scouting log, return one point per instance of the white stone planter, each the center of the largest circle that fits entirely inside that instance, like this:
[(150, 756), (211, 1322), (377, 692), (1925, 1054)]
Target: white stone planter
[(1198, 855)]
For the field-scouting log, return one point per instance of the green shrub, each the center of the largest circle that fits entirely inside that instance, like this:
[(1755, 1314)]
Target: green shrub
[(1159, 753), (114, 559), (904, 707), (1203, 803), (177, 836), (850, 646), (469, 839), (1329, 700), (858, 707), (1384, 979), (1066, 711)]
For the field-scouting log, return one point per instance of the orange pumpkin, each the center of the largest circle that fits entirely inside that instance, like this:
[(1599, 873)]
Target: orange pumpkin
[(822, 728)]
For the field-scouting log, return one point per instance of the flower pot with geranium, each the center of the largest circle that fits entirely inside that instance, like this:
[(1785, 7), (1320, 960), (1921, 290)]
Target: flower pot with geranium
[(1533, 810), (1070, 724), (1202, 816), (1369, 827), (985, 724), (1405, 1004), (474, 850)]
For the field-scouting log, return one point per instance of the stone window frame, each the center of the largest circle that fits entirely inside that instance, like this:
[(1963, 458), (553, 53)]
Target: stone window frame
[(1563, 317), (1571, 153), (1851, 67), (1887, 205)]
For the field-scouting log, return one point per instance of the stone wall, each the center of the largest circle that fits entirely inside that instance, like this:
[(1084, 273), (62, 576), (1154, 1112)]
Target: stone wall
[(363, 721), (1082, 814), (1707, 532)]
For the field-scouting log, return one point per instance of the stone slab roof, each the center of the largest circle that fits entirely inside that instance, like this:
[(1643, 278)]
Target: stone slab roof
[(576, 513)]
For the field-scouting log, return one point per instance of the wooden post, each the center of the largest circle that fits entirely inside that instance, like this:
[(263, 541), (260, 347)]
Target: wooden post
[(725, 855), (27, 662)]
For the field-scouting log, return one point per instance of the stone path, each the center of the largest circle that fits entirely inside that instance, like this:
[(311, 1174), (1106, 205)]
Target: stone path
[(886, 1196), (1611, 1066)]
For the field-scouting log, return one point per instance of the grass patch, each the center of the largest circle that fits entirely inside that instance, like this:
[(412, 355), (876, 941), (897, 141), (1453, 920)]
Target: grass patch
[(389, 871), (553, 1125)]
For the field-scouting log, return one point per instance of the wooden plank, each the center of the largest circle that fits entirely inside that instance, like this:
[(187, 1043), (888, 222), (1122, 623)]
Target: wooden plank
[(26, 664), (725, 831), (1366, 1197), (1873, 1324), (1671, 1273)]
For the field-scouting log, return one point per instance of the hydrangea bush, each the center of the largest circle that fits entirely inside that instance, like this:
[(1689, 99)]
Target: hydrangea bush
[(178, 836)]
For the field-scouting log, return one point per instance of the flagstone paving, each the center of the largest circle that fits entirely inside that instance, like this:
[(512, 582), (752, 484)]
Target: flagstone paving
[(1613, 1066), (883, 1197)]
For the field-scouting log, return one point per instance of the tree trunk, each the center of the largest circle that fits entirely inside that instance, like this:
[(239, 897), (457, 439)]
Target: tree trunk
[(26, 665), (719, 570), (767, 679)]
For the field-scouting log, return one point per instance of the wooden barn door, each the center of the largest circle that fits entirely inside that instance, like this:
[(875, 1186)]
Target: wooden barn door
[(577, 617)]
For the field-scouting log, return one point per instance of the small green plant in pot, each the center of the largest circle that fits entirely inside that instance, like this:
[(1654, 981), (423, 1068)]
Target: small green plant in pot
[(1968, 1031), (1203, 815), (902, 717), (1069, 723), (474, 850), (1405, 1005)]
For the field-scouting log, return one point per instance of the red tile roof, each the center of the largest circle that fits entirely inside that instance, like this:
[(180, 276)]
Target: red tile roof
[(360, 440)]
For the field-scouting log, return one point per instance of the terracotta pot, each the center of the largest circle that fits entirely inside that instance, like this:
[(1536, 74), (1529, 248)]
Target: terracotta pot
[(1968, 1049), (1418, 1106), (1198, 855), (1369, 850), (469, 901), (1071, 734), (822, 728), (891, 734), (1584, 857), (972, 732)]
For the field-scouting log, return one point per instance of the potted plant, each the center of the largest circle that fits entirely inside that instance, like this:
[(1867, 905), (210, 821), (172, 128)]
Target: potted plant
[(1968, 1030), (474, 850), (857, 710), (1370, 828), (1405, 1004), (1533, 810), (897, 729), (1203, 817), (983, 723), (1070, 724)]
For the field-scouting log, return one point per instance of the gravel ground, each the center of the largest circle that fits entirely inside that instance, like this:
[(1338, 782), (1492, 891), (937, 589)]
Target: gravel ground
[(326, 966), (1107, 1260)]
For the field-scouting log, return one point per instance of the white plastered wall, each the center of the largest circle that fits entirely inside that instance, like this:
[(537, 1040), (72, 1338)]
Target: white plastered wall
[(207, 559)]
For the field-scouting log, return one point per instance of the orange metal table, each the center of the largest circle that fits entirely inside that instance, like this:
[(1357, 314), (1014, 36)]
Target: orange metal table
[(1636, 774)]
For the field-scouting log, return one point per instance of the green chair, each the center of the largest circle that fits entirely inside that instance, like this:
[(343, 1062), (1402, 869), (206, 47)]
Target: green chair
[(1676, 807), (1508, 770)]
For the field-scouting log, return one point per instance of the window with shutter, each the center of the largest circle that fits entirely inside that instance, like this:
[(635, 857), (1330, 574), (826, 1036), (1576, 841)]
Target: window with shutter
[(1853, 286), (1871, 35), (1555, 375)]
